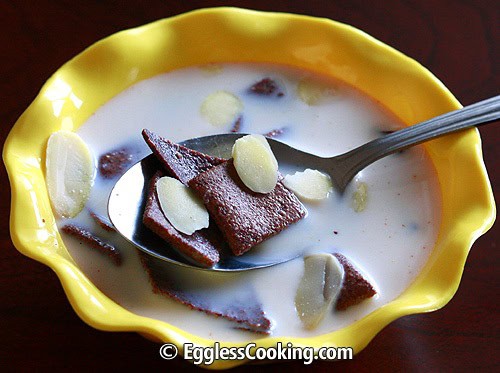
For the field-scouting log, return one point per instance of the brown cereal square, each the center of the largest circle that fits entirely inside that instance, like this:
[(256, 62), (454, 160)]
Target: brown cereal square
[(115, 162), (180, 162), (245, 218), (243, 309), (267, 87), (94, 242), (355, 288), (202, 246)]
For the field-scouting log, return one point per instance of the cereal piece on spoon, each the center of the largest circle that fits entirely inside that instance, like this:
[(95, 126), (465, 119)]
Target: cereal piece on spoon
[(181, 162), (202, 246), (245, 218)]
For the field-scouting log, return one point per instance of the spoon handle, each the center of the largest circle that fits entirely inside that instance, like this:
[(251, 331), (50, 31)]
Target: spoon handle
[(476, 114)]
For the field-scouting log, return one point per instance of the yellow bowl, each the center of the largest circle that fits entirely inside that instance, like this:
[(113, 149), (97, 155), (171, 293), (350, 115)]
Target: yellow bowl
[(215, 35)]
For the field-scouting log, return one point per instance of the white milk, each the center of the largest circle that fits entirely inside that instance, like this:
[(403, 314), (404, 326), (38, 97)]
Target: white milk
[(389, 241)]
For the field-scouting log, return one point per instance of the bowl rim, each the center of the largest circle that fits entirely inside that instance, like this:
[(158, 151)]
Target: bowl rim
[(32, 224)]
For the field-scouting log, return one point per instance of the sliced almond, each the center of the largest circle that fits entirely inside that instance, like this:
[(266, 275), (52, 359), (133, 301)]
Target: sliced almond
[(255, 163), (309, 184), (211, 68), (70, 173), (221, 108), (319, 288), (312, 91), (360, 197), (181, 206)]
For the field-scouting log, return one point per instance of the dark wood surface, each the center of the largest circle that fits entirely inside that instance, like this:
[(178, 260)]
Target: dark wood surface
[(456, 39)]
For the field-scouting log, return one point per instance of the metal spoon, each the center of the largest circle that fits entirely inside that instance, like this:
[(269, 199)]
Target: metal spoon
[(126, 202)]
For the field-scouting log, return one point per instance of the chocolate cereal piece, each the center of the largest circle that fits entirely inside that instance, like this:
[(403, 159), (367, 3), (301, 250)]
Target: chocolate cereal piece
[(237, 125), (94, 242), (202, 246), (355, 288), (245, 218), (267, 87), (102, 222), (275, 132), (115, 163), (242, 307), (181, 162)]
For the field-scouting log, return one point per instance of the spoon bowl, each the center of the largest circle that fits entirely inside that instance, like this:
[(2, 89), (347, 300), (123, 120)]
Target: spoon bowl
[(127, 199), (126, 207)]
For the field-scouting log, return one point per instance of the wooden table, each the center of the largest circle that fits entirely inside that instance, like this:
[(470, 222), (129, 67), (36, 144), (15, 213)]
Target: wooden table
[(455, 39)]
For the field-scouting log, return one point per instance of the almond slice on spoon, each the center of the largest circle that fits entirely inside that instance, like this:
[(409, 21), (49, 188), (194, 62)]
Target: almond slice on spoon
[(255, 163), (181, 206)]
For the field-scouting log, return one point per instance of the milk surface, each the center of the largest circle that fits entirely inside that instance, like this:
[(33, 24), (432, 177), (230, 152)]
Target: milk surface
[(389, 241)]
